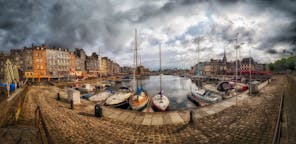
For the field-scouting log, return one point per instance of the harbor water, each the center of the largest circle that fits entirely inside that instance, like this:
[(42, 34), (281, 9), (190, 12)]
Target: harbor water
[(174, 87)]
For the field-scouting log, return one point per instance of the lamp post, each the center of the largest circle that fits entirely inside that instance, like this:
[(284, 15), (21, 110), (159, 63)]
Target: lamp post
[(236, 47)]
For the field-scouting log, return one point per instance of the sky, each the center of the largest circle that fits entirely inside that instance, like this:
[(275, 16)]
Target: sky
[(265, 29)]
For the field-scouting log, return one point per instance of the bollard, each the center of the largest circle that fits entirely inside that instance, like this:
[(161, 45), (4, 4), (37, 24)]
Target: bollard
[(191, 116), (58, 97), (98, 110), (72, 104)]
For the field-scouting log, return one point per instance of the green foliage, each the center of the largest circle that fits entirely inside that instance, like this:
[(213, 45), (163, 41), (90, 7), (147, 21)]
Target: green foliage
[(284, 64)]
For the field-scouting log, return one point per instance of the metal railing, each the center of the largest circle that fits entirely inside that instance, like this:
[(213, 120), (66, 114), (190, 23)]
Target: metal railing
[(277, 131), (41, 125)]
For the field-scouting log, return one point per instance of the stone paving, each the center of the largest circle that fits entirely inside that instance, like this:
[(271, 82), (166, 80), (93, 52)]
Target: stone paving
[(290, 111), (251, 121)]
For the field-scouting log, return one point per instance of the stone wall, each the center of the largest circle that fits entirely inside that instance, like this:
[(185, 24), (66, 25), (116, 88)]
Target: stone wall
[(8, 109)]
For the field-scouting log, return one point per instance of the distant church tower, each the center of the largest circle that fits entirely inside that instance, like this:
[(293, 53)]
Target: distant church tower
[(224, 57)]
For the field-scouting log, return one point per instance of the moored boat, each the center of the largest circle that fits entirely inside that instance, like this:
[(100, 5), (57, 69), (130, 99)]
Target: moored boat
[(139, 100), (196, 100), (206, 96), (120, 98), (100, 97), (160, 102)]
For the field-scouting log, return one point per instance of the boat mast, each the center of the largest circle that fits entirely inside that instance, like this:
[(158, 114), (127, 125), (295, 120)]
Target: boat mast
[(134, 71), (198, 53), (136, 59), (100, 60), (250, 71), (160, 69), (236, 47), (141, 84)]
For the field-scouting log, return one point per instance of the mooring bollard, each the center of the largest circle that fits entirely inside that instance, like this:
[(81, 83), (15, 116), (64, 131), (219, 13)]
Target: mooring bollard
[(98, 110), (58, 97), (191, 116), (72, 104)]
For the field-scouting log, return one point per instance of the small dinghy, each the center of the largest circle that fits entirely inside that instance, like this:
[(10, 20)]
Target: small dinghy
[(119, 99), (139, 100), (160, 102)]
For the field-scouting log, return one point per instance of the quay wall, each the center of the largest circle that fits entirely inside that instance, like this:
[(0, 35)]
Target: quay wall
[(11, 107)]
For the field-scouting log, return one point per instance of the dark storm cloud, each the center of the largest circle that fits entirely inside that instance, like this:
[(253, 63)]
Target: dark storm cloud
[(288, 35), (99, 23), (272, 51)]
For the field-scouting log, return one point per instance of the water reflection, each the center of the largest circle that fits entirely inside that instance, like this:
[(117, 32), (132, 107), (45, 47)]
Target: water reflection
[(175, 88)]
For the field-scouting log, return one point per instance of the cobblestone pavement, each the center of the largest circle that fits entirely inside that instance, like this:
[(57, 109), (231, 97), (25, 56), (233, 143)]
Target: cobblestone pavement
[(289, 106), (251, 121)]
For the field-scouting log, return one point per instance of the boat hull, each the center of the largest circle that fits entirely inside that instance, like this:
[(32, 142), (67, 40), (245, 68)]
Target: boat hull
[(100, 97), (196, 100), (118, 100), (156, 108), (204, 98), (158, 105), (138, 105), (123, 105)]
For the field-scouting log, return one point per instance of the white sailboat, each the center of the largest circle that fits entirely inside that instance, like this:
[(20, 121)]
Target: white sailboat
[(120, 98), (160, 101), (100, 97), (139, 99)]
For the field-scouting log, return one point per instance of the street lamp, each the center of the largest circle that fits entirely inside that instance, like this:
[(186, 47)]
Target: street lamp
[(236, 48)]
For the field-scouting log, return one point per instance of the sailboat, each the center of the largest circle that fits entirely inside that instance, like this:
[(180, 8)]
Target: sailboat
[(160, 101), (119, 98), (103, 95), (139, 100), (199, 95)]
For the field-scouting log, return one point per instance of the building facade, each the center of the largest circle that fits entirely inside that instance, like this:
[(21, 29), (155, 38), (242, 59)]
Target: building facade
[(44, 62), (3, 58), (80, 57), (58, 62), (116, 68), (39, 62), (93, 64), (17, 58)]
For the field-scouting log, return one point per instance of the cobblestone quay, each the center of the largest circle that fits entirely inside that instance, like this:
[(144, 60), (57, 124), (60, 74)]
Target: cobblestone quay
[(251, 121)]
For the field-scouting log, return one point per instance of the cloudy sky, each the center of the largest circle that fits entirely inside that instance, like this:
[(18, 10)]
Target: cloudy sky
[(265, 27)]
